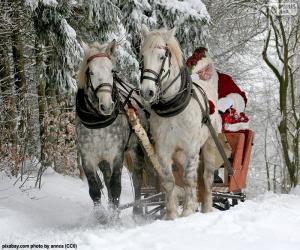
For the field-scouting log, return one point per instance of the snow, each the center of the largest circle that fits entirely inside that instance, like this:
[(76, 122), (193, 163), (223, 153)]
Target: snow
[(190, 7), (61, 213), (70, 32), (52, 3), (33, 4)]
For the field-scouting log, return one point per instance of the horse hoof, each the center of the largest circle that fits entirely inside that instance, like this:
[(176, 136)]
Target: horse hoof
[(171, 216), (138, 210), (187, 212), (206, 209), (101, 215)]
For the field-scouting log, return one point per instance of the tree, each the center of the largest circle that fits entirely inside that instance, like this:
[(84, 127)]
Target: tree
[(286, 43), (280, 50)]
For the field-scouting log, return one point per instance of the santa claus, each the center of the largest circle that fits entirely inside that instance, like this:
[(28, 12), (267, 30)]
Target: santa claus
[(229, 100)]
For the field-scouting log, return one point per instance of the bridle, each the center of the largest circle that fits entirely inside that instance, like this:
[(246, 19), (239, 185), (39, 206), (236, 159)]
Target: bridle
[(161, 75), (112, 88), (88, 114), (99, 88)]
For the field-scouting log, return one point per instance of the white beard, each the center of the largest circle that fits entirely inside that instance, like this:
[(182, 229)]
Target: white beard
[(210, 86)]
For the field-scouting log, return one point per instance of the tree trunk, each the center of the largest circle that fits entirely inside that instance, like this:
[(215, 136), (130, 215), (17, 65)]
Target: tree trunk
[(41, 86), (8, 96)]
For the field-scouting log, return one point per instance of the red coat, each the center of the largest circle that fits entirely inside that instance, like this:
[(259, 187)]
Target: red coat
[(227, 86)]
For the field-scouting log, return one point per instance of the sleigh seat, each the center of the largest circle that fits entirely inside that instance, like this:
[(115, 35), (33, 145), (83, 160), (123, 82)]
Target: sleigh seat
[(241, 143)]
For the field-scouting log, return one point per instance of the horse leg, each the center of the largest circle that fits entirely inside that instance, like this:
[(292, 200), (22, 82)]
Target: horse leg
[(208, 175), (137, 177), (95, 184), (115, 182), (190, 183), (168, 183), (106, 171)]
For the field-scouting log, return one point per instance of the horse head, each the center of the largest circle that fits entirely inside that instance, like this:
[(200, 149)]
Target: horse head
[(161, 53), (96, 73)]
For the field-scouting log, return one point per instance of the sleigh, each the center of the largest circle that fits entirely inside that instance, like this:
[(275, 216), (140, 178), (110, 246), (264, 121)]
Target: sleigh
[(225, 194)]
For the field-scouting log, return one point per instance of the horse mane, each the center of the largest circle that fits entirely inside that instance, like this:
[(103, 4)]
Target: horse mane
[(157, 38), (94, 48)]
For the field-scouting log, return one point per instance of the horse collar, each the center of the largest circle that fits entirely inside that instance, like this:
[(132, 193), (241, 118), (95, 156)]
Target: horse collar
[(180, 101), (89, 116)]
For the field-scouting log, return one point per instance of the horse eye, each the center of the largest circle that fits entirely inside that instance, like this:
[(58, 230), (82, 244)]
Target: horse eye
[(91, 73), (162, 57)]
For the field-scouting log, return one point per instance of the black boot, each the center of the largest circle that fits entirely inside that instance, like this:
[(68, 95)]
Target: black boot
[(217, 178)]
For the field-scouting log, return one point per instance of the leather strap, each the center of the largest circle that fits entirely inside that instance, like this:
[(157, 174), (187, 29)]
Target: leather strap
[(207, 121), (98, 55)]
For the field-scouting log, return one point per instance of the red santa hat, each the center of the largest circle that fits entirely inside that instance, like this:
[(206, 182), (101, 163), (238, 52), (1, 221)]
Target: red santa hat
[(199, 60)]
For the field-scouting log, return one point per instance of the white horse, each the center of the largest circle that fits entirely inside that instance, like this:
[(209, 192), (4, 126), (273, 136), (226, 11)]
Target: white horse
[(176, 119)]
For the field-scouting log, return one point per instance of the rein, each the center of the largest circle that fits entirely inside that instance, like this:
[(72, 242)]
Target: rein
[(207, 121)]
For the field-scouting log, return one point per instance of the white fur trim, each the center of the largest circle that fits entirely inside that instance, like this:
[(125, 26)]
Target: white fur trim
[(236, 126), (238, 102), (202, 63)]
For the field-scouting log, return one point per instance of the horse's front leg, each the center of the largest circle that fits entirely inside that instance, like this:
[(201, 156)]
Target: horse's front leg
[(190, 183), (106, 171), (138, 162), (168, 183), (95, 184), (115, 182)]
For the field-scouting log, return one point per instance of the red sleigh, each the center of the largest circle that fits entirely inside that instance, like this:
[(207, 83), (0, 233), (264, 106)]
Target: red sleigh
[(229, 192)]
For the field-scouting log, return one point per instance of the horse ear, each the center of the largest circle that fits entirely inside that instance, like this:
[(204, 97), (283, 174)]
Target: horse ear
[(170, 34), (85, 47), (145, 30), (111, 47)]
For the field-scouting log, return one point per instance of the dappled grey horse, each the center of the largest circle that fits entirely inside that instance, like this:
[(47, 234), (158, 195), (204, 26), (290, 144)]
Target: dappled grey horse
[(103, 131)]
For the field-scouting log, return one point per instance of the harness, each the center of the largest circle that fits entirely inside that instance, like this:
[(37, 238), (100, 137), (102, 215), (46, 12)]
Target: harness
[(89, 116), (181, 100)]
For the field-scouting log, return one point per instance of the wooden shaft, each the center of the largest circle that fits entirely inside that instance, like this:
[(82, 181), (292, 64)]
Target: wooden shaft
[(143, 138)]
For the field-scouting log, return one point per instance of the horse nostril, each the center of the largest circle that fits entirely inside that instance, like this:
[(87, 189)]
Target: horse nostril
[(151, 93), (142, 93), (112, 106), (102, 107)]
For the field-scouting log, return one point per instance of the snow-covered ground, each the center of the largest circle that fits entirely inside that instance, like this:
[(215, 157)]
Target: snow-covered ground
[(61, 213)]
